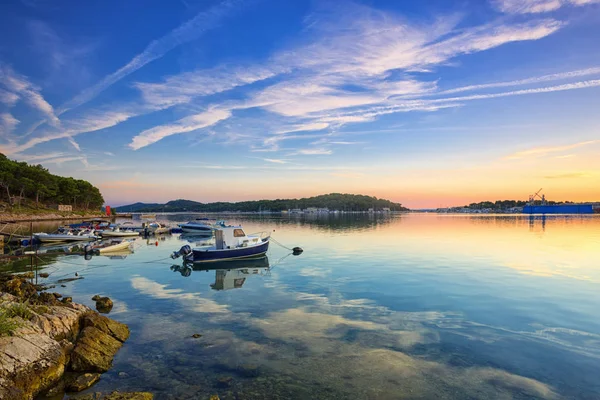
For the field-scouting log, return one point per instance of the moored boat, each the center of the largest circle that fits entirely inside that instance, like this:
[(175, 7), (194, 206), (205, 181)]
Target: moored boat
[(70, 236), (231, 243), (112, 247), (196, 227), (117, 232), (157, 228)]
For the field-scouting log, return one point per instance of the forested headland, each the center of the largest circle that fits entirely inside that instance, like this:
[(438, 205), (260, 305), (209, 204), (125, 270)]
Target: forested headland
[(332, 201), (22, 184)]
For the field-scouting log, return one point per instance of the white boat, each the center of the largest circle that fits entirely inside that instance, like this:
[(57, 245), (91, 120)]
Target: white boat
[(117, 247), (117, 232), (197, 227), (157, 228), (64, 237)]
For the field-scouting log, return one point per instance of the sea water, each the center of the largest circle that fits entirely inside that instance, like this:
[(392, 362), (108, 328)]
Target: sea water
[(376, 307)]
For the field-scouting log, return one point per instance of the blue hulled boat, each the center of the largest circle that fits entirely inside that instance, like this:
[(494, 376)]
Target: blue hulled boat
[(231, 243)]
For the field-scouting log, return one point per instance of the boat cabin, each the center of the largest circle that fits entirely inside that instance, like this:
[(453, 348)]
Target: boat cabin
[(231, 237)]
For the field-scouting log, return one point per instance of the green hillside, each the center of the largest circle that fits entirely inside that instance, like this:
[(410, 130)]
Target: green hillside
[(22, 184), (333, 201)]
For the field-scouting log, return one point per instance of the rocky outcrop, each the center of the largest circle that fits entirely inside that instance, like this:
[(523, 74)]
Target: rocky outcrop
[(94, 351), (47, 338)]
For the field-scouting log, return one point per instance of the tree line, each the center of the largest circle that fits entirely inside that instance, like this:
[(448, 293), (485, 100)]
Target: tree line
[(22, 183), (333, 201)]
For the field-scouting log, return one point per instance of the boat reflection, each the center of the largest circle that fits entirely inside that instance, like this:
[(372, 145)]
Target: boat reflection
[(228, 274), (199, 239)]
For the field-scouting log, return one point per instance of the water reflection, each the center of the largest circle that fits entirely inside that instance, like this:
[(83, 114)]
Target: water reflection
[(410, 306), (228, 274)]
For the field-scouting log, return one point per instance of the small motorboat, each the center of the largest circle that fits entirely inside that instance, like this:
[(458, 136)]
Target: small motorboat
[(157, 228), (113, 246), (96, 224), (118, 232), (231, 243), (65, 236), (197, 227)]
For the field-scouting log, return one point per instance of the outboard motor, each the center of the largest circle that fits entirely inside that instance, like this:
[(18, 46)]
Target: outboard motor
[(183, 251)]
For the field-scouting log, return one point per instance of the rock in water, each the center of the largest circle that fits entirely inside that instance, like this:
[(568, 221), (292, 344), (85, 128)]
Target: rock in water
[(82, 382), (196, 335), (94, 351), (96, 297), (129, 396), (115, 329), (104, 305), (43, 274)]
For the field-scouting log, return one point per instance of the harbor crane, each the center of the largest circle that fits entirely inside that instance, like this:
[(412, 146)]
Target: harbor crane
[(537, 194)]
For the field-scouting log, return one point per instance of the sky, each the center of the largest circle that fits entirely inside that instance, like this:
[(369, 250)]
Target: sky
[(431, 103)]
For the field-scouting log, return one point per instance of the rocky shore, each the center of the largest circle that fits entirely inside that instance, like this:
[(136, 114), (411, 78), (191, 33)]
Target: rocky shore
[(8, 217), (50, 345)]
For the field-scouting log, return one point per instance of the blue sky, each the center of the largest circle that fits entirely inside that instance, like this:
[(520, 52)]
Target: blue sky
[(427, 103)]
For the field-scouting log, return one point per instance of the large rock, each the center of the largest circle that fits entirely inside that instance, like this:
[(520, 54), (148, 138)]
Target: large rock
[(116, 329), (61, 322), (18, 287), (29, 363), (94, 351)]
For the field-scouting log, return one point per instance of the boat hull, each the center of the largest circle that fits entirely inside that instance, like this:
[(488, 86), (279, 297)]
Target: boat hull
[(196, 229), (212, 255), (114, 248), (64, 238), (119, 234)]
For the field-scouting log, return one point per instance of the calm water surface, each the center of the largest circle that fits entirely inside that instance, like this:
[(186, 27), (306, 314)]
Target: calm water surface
[(411, 306)]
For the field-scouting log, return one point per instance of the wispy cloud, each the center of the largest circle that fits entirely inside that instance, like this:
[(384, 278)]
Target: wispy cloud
[(8, 98), (7, 124), (313, 152), (571, 175), (544, 151), (343, 74), (18, 87), (274, 160), (191, 30), (536, 6), (527, 81), (187, 124)]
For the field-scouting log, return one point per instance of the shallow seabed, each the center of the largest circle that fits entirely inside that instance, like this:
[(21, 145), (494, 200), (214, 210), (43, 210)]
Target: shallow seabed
[(377, 307)]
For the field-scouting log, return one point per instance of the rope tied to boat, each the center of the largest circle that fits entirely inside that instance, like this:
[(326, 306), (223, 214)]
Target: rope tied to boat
[(295, 251)]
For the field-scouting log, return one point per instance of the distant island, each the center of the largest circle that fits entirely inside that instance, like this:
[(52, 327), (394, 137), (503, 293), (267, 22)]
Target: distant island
[(501, 206), (329, 202), (31, 188)]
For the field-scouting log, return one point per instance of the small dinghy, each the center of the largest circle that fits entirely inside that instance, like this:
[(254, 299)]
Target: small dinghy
[(231, 243)]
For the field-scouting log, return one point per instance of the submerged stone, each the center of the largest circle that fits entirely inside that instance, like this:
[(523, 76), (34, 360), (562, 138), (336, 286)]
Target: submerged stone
[(224, 381), (43, 274), (129, 396), (83, 382)]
